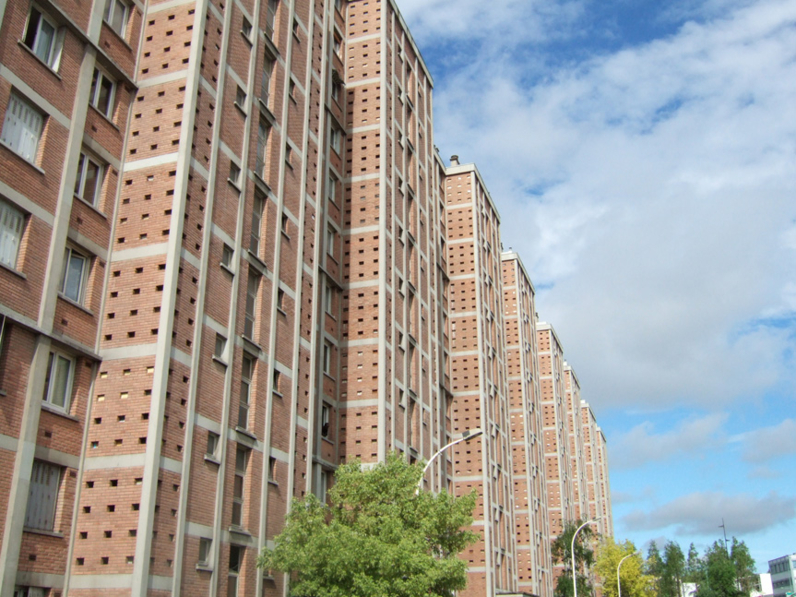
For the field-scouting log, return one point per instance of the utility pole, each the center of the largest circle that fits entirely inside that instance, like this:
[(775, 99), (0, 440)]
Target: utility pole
[(722, 527)]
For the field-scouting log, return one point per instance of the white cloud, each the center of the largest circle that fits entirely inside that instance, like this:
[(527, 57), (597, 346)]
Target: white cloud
[(768, 443), (701, 513), (641, 445), (652, 191)]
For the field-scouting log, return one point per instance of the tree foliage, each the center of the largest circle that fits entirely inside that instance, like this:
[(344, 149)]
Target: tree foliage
[(375, 538), (635, 581), (561, 550), (717, 573)]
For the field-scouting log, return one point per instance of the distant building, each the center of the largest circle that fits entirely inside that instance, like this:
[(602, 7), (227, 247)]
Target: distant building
[(763, 586), (782, 571)]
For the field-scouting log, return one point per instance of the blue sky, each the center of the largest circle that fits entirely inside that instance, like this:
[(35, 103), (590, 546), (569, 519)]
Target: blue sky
[(643, 157)]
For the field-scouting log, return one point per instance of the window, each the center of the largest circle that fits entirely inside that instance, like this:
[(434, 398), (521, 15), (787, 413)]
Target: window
[(212, 444), (336, 136), (263, 131), (292, 90), (29, 591), (246, 375), (227, 256), (296, 28), (252, 288), (22, 128), (270, 17), (326, 413), (205, 551), (241, 458), (331, 235), (58, 381), (277, 383), (246, 29), (280, 300), (221, 347), (89, 179), (338, 4), (289, 155), (11, 225), (240, 98), (235, 563), (75, 274), (338, 46), (285, 224), (336, 87), (234, 174), (265, 85), (45, 480), (103, 90), (41, 36), (331, 190), (329, 299), (327, 357), (257, 220), (272, 469), (116, 14)]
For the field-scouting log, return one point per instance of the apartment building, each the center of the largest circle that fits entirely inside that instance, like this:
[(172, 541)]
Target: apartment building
[(534, 562), (479, 377), (556, 422), (597, 490), (393, 366), (230, 260), (577, 469)]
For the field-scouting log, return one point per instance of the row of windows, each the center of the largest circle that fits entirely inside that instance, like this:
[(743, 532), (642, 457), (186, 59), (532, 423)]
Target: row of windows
[(76, 265)]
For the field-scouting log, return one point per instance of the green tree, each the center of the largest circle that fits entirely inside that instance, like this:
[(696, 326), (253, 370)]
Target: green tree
[(654, 564), (635, 583), (744, 567), (693, 566), (726, 574), (561, 550), (376, 537), (719, 578), (672, 571)]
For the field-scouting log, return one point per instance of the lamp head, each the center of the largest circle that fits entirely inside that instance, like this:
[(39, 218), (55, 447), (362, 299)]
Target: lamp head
[(471, 433)]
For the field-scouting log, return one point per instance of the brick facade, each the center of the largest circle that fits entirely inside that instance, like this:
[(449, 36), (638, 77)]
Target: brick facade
[(241, 263)]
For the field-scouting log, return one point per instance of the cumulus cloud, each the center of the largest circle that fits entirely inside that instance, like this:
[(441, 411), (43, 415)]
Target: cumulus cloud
[(768, 443), (642, 445), (650, 194), (700, 514)]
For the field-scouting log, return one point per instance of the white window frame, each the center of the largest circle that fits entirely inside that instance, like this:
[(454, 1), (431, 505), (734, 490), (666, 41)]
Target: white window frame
[(331, 191), (327, 357), (206, 546), (45, 485), (263, 132), (233, 575), (85, 161), (244, 403), (48, 396), (95, 93), (68, 274), (239, 486), (326, 420), (331, 240), (109, 15), (328, 299), (33, 40), (12, 228), (22, 127), (220, 348), (336, 139), (255, 238)]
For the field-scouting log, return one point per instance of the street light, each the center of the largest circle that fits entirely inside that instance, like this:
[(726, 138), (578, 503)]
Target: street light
[(572, 551), (466, 437), (618, 580)]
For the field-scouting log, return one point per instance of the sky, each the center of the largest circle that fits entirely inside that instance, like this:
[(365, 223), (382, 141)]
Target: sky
[(642, 155)]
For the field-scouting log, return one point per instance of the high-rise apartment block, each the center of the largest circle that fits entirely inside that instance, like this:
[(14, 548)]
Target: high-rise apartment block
[(535, 567), (232, 259)]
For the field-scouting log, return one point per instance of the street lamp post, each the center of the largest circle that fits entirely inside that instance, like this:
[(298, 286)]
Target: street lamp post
[(572, 551), (466, 436), (618, 579)]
